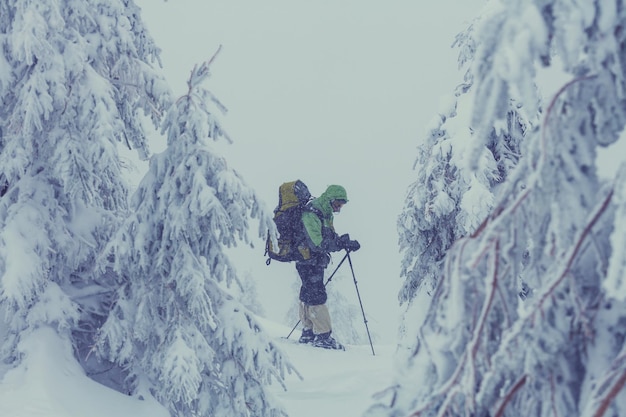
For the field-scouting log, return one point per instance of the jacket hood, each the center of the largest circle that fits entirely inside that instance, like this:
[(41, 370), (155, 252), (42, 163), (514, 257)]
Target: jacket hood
[(333, 192)]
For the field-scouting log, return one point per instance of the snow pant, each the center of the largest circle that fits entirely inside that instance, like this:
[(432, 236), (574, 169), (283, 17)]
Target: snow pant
[(315, 317), (311, 273), (313, 311)]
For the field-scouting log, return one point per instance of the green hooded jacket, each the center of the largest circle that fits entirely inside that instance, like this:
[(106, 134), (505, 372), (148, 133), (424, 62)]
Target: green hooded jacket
[(313, 224)]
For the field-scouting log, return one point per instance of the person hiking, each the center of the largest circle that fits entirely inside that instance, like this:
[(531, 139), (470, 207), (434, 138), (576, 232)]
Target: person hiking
[(320, 240)]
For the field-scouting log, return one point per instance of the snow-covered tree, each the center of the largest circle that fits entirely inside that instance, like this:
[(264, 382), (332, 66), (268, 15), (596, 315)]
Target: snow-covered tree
[(526, 315), (461, 162), (248, 294), (75, 77), (180, 335)]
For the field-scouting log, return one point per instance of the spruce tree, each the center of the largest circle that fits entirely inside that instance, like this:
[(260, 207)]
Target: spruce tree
[(460, 162), (173, 326), (526, 315), (75, 79)]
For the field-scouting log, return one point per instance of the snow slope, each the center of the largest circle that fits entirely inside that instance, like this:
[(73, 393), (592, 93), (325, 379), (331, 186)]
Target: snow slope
[(334, 383), (50, 383)]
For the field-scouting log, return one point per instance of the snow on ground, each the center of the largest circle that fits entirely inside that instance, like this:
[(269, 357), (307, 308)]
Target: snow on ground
[(334, 383), (50, 383)]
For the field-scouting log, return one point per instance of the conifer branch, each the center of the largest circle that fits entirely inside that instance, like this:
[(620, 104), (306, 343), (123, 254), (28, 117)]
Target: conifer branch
[(575, 250), (508, 397), (553, 395), (546, 118), (610, 396)]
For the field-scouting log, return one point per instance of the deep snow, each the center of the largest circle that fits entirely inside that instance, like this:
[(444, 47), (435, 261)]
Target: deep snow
[(335, 383), (50, 383)]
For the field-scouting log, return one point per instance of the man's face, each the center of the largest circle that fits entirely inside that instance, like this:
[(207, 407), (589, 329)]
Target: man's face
[(337, 205)]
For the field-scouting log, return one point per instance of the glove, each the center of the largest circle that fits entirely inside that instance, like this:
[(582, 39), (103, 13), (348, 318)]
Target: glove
[(344, 241), (353, 246), (347, 244)]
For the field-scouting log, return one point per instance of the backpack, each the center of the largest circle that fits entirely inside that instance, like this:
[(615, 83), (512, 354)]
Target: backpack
[(292, 202)]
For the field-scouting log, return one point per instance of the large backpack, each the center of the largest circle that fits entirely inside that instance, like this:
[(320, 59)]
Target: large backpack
[(292, 201)]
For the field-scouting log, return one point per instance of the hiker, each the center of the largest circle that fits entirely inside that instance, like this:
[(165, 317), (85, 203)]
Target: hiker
[(320, 240)]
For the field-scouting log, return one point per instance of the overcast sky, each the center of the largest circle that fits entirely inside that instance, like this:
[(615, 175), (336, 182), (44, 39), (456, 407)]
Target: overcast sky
[(327, 92)]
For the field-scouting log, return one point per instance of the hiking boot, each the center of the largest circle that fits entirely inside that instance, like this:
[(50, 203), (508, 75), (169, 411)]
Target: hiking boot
[(326, 341), (307, 336)]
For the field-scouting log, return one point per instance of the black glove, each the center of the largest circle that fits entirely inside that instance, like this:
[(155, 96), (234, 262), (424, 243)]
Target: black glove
[(347, 244), (353, 246)]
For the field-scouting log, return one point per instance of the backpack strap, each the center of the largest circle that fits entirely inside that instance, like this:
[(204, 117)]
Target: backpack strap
[(315, 210)]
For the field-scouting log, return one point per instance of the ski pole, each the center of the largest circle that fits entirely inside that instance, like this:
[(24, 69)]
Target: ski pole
[(325, 284), (360, 302)]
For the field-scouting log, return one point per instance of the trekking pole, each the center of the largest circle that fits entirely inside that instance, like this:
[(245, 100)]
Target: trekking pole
[(325, 284), (360, 302)]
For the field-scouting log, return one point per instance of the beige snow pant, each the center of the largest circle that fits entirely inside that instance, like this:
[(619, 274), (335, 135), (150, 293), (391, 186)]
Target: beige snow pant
[(315, 317)]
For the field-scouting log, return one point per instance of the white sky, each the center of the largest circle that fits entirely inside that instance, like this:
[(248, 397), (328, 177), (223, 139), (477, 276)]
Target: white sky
[(326, 92)]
